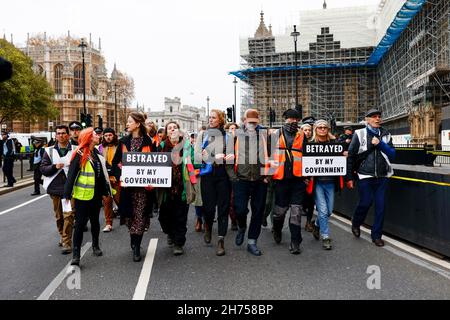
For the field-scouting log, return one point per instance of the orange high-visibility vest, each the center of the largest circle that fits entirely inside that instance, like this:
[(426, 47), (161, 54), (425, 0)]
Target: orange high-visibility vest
[(294, 154)]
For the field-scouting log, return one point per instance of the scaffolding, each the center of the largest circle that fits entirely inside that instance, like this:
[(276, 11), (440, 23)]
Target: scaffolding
[(415, 72), (346, 65)]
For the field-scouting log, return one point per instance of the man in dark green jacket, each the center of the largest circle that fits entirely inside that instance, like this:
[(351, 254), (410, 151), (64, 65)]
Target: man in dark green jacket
[(248, 178)]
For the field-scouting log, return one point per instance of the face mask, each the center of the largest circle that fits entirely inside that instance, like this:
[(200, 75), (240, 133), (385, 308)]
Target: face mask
[(291, 127), (251, 126)]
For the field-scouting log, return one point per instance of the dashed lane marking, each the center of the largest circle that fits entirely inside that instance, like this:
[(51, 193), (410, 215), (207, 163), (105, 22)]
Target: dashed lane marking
[(144, 278), (47, 293), (22, 205)]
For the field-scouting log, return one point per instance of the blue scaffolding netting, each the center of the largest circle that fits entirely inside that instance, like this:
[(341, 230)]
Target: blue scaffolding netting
[(409, 9)]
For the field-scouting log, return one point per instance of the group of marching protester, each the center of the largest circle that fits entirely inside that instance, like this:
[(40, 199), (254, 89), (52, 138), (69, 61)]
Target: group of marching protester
[(225, 171)]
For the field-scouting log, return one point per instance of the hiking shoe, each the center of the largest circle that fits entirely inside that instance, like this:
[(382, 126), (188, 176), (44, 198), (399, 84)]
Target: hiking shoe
[(220, 248), (276, 236), (356, 231), (75, 261), (326, 244), (240, 237), (97, 251), (207, 236), (264, 222), (253, 249), (294, 248), (316, 231), (169, 241), (66, 250), (309, 226), (177, 250), (378, 242)]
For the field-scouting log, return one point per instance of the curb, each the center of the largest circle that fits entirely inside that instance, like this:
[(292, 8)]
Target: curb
[(23, 184)]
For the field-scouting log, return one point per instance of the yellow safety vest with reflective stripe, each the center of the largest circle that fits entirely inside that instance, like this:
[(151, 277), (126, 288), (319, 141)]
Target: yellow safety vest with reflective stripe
[(85, 184)]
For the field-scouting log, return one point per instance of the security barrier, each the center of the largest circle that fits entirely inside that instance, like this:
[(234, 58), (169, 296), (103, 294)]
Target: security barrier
[(417, 206)]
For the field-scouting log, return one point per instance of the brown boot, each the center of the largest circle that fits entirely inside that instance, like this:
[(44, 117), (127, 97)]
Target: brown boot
[(308, 226), (207, 236), (220, 248), (198, 225)]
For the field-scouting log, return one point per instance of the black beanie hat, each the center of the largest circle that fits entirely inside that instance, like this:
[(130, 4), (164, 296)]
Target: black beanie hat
[(291, 113)]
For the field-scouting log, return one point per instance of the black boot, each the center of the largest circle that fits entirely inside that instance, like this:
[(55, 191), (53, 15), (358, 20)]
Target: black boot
[(96, 248), (137, 248), (277, 230), (132, 241), (207, 236), (76, 257)]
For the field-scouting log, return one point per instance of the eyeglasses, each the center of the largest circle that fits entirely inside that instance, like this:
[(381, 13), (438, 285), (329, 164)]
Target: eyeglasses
[(61, 133)]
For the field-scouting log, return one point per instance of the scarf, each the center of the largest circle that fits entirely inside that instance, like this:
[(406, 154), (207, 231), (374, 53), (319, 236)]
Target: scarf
[(292, 128)]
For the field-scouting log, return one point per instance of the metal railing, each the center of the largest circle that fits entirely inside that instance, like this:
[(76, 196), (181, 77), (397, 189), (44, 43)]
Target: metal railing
[(434, 154), (23, 167)]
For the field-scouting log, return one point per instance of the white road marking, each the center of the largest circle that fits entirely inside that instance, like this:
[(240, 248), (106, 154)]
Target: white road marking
[(422, 260), (402, 246), (22, 205), (46, 294), (144, 278)]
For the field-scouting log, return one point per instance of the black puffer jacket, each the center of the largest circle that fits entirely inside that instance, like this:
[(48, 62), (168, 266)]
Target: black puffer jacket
[(56, 187), (370, 162)]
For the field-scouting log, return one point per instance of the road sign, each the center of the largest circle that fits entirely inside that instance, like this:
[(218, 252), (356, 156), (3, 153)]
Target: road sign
[(4, 126), (50, 123)]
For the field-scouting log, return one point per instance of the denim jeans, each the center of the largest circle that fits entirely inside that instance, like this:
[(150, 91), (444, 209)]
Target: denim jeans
[(255, 191), (369, 190), (198, 212), (324, 197)]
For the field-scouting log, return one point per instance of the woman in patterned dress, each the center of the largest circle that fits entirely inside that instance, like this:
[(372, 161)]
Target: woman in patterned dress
[(134, 206)]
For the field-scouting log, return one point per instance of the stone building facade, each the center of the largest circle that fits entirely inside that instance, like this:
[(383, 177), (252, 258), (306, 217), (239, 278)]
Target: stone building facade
[(189, 118), (60, 61)]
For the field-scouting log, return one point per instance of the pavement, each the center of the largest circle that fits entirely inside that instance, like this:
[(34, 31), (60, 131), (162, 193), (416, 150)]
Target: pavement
[(32, 266), (20, 170), (23, 183)]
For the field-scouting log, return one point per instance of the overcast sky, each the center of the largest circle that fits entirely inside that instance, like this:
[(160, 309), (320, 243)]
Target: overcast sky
[(182, 48)]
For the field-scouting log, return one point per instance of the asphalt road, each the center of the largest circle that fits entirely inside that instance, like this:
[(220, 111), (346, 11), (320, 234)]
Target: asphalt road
[(31, 261)]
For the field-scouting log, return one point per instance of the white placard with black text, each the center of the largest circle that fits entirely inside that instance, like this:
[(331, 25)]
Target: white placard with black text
[(140, 169), (323, 160)]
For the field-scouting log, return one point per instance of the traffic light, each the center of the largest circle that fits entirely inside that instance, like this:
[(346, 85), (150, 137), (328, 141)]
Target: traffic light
[(88, 120), (100, 121), (272, 116), (299, 108), (83, 119), (230, 114)]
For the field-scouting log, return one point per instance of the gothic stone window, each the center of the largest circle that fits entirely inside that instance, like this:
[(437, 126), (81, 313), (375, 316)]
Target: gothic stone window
[(78, 79), (94, 83), (58, 70)]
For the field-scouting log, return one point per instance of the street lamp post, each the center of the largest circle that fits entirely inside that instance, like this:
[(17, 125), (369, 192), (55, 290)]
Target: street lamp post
[(83, 45), (235, 105), (115, 107), (207, 104), (125, 113), (295, 34)]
